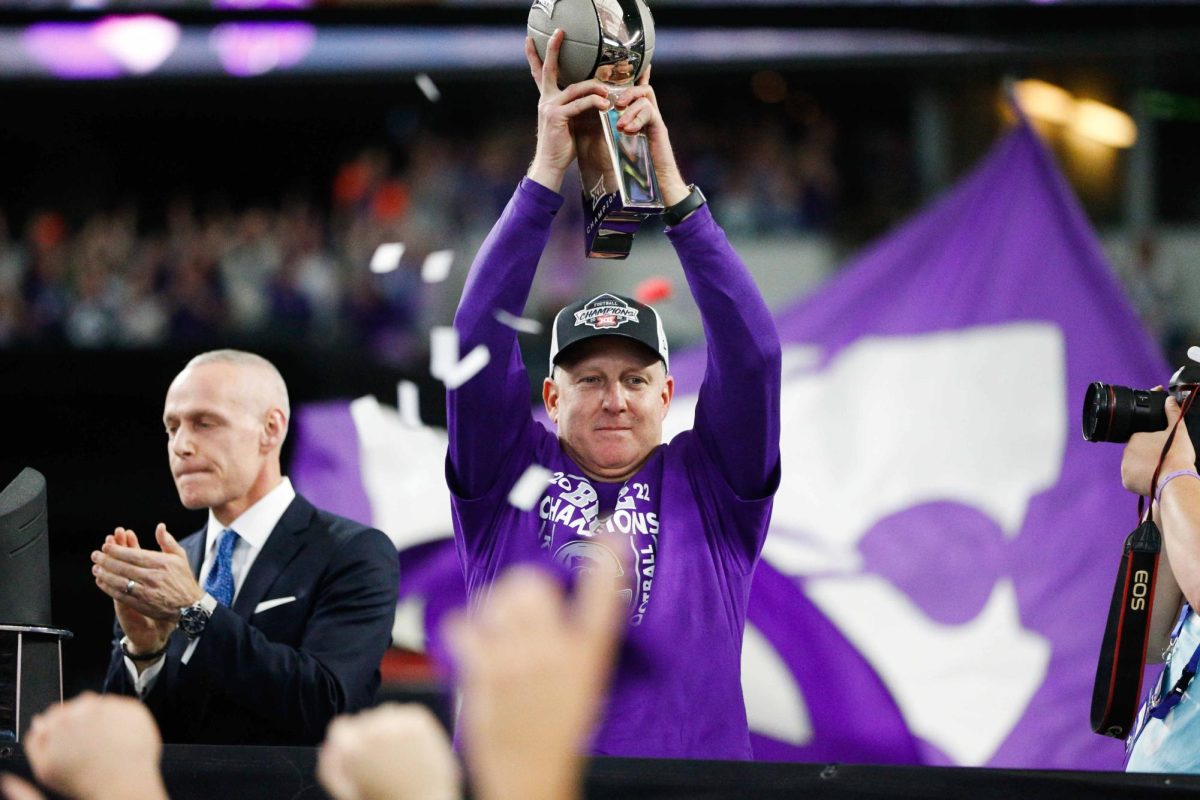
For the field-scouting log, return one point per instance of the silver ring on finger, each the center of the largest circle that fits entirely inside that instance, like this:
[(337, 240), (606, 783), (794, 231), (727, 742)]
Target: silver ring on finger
[(130, 586)]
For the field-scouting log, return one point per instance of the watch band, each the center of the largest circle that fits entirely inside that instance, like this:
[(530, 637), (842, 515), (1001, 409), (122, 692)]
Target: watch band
[(676, 214), (208, 603), (157, 654)]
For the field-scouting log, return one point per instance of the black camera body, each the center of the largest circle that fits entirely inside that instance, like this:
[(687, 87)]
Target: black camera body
[(1114, 413)]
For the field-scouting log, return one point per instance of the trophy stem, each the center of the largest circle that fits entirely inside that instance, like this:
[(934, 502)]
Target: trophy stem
[(620, 187)]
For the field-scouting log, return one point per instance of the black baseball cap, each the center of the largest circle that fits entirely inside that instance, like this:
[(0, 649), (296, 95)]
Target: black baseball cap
[(608, 315)]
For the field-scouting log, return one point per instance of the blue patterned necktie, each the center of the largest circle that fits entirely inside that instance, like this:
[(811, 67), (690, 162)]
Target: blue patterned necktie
[(219, 582)]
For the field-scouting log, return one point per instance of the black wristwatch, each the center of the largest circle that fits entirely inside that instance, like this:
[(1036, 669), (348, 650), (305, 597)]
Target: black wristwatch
[(194, 618), (677, 213)]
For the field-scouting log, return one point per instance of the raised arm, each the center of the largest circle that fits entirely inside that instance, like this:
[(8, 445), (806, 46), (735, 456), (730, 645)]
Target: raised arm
[(485, 416), (737, 416)]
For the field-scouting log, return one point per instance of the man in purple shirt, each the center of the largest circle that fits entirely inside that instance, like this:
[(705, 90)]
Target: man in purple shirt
[(679, 526)]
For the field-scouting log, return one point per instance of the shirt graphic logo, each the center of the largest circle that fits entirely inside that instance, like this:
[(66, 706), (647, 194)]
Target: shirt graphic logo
[(606, 311), (583, 556)]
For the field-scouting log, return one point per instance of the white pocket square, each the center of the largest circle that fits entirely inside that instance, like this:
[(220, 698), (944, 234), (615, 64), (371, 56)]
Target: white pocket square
[(266, 605)]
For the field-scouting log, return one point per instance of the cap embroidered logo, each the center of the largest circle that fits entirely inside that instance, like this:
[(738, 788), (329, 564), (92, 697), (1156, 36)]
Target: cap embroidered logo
[(606, 311)]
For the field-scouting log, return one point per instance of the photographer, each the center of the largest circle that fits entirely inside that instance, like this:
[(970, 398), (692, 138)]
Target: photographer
[(1165, 739)]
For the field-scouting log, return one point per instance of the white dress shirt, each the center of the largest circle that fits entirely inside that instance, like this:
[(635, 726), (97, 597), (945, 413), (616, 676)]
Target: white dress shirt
[(253, 528)]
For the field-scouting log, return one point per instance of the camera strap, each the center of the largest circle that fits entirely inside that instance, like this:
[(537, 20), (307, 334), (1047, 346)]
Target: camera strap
[(1118, 688)]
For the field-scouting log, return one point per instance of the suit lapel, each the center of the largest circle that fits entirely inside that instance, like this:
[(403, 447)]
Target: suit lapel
[(282, 546)]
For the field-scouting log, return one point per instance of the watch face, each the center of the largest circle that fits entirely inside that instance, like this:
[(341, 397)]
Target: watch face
[(192, 620)]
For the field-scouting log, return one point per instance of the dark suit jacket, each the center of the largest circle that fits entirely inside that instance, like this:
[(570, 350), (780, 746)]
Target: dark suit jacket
[(279, 676)]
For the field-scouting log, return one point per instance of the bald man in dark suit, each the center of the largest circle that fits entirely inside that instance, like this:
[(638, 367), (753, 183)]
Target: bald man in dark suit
[(273, 618)]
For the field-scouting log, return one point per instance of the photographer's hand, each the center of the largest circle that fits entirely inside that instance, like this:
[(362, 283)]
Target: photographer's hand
[(1141, 455)]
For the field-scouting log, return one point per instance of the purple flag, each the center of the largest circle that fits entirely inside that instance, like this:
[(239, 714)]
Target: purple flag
[(935, 583)]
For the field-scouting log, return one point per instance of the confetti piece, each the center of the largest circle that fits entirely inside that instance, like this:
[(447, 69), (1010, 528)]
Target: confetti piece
[(1194, 353), (428, 88), (408, 402), (444, 363), (437, 266), (387, 257), (408, 626), (468, 367), (518, 323), (443, 350), (653, 290), (529, 488)]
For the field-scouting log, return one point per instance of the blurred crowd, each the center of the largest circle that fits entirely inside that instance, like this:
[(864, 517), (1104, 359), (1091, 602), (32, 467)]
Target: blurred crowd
[(296, 272)]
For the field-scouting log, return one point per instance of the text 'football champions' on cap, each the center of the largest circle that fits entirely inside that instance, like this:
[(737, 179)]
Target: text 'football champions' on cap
[(608, 315)]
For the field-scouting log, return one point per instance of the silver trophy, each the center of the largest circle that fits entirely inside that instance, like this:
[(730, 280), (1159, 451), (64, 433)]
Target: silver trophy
[(611, 41)]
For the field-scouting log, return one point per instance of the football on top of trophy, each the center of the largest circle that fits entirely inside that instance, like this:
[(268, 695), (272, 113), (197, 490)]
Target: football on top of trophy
[(612, 40)]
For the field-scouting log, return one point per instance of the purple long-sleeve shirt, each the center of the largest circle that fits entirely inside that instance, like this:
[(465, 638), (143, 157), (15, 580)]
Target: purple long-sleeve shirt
[(692, 521)]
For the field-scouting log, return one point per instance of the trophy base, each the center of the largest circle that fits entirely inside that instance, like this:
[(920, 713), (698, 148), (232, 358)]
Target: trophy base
[(610, 226)]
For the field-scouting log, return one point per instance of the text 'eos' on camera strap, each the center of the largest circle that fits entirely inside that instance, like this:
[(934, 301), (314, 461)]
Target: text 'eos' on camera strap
[(1118, 686), (1117, 691)]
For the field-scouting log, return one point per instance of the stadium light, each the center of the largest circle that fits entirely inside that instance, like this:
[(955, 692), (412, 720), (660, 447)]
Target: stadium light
[(1088, 118)]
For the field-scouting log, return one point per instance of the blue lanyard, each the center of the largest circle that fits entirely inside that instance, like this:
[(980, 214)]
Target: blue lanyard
[(1161, 705)]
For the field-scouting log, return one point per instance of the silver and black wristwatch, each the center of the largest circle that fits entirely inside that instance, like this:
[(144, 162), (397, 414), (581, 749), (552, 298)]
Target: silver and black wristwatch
[(194, 618)]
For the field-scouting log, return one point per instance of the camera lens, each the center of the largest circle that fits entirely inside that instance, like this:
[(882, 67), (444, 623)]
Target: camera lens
[(1114, 413)]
